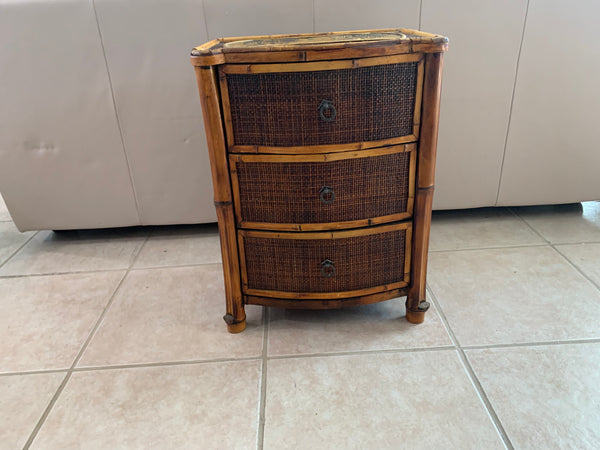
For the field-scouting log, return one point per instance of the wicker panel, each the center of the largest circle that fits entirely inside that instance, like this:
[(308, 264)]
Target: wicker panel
[(282, 109), (289, 192), (294, 265)]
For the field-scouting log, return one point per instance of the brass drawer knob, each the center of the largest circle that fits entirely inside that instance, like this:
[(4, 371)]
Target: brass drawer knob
[(327, 110), (327, 268), (327, 195)]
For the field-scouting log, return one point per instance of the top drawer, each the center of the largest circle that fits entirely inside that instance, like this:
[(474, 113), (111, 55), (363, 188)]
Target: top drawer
[(322, 106)]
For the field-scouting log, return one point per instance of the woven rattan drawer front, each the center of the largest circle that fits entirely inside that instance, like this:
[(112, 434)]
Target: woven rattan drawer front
[(369, 105), (325, 265), (324, 191)]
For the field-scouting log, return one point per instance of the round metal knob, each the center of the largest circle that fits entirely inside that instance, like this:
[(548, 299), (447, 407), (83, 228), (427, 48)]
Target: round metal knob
[(327, 195), (327, 268), (326, 110)]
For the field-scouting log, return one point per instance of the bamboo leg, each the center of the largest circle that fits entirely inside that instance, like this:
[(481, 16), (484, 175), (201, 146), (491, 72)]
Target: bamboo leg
[(416, 305), (207, 77), (235, 316)]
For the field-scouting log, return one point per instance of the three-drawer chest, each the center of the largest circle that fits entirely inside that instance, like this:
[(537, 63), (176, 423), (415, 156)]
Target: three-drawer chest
[(322, 150)]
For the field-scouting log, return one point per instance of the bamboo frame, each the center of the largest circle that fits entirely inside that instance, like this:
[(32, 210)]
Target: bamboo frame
[(325, 148), (216, 52), (325, 303), (208, 87), (416, 304), (215, 59), (323, 157), (319, 65), (247, 290)]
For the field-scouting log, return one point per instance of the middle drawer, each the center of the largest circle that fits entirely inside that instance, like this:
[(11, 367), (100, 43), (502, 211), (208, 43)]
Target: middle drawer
[(324, 191)]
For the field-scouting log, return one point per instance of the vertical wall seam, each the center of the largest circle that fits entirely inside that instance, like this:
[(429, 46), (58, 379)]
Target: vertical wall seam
[(512, 100), (112, 93), (420, 12), (314, 18), (205, 21)]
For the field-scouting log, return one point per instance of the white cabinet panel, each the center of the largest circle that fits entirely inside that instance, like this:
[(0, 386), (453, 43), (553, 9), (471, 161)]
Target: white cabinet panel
[(159, 110), (59, 137), (226, 18), (478, 80), (552, 152), (339, 15)]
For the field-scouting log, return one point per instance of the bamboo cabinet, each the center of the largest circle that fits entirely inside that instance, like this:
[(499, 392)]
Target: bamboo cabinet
[(322, 150)]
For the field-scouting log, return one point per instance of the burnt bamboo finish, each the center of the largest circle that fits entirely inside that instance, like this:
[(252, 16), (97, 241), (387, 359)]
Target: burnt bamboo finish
[(327, 213)]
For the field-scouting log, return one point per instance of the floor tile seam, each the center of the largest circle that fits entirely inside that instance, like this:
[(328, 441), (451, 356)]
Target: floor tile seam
[(12, 255), (472, 375), (363, 352), (33, 372), (90, 336), (173, 236), (135, 269), (175, 266), (484, 399), (50, 274), (191, 362), (298, 356), (61, 387), (575, 243), (576, 267), (109, 304), (263, 380), (531, 227), (489, 248), (553, 246), (531, 344), (46, 411)]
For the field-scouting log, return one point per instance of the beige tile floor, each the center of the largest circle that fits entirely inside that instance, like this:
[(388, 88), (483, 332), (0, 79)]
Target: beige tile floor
[(113, 339)]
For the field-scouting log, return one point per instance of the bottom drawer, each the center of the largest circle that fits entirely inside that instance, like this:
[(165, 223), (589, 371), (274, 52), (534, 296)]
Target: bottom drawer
[(325, 265)]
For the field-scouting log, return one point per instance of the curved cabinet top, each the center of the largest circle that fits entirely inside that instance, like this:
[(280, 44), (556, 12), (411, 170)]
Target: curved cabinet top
[(317, 47)]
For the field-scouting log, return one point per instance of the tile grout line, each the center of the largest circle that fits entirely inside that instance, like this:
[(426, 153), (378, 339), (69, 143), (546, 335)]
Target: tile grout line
[(532, 344), (301, 356), (19, 249), (191, 362), (488, 248), (512, 101), (553, 246), (133, 269), (473, 376), (236, 359), (365, 352), (50, 274), (62, 385), (576, 267), (263, 380), (33, 372)]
